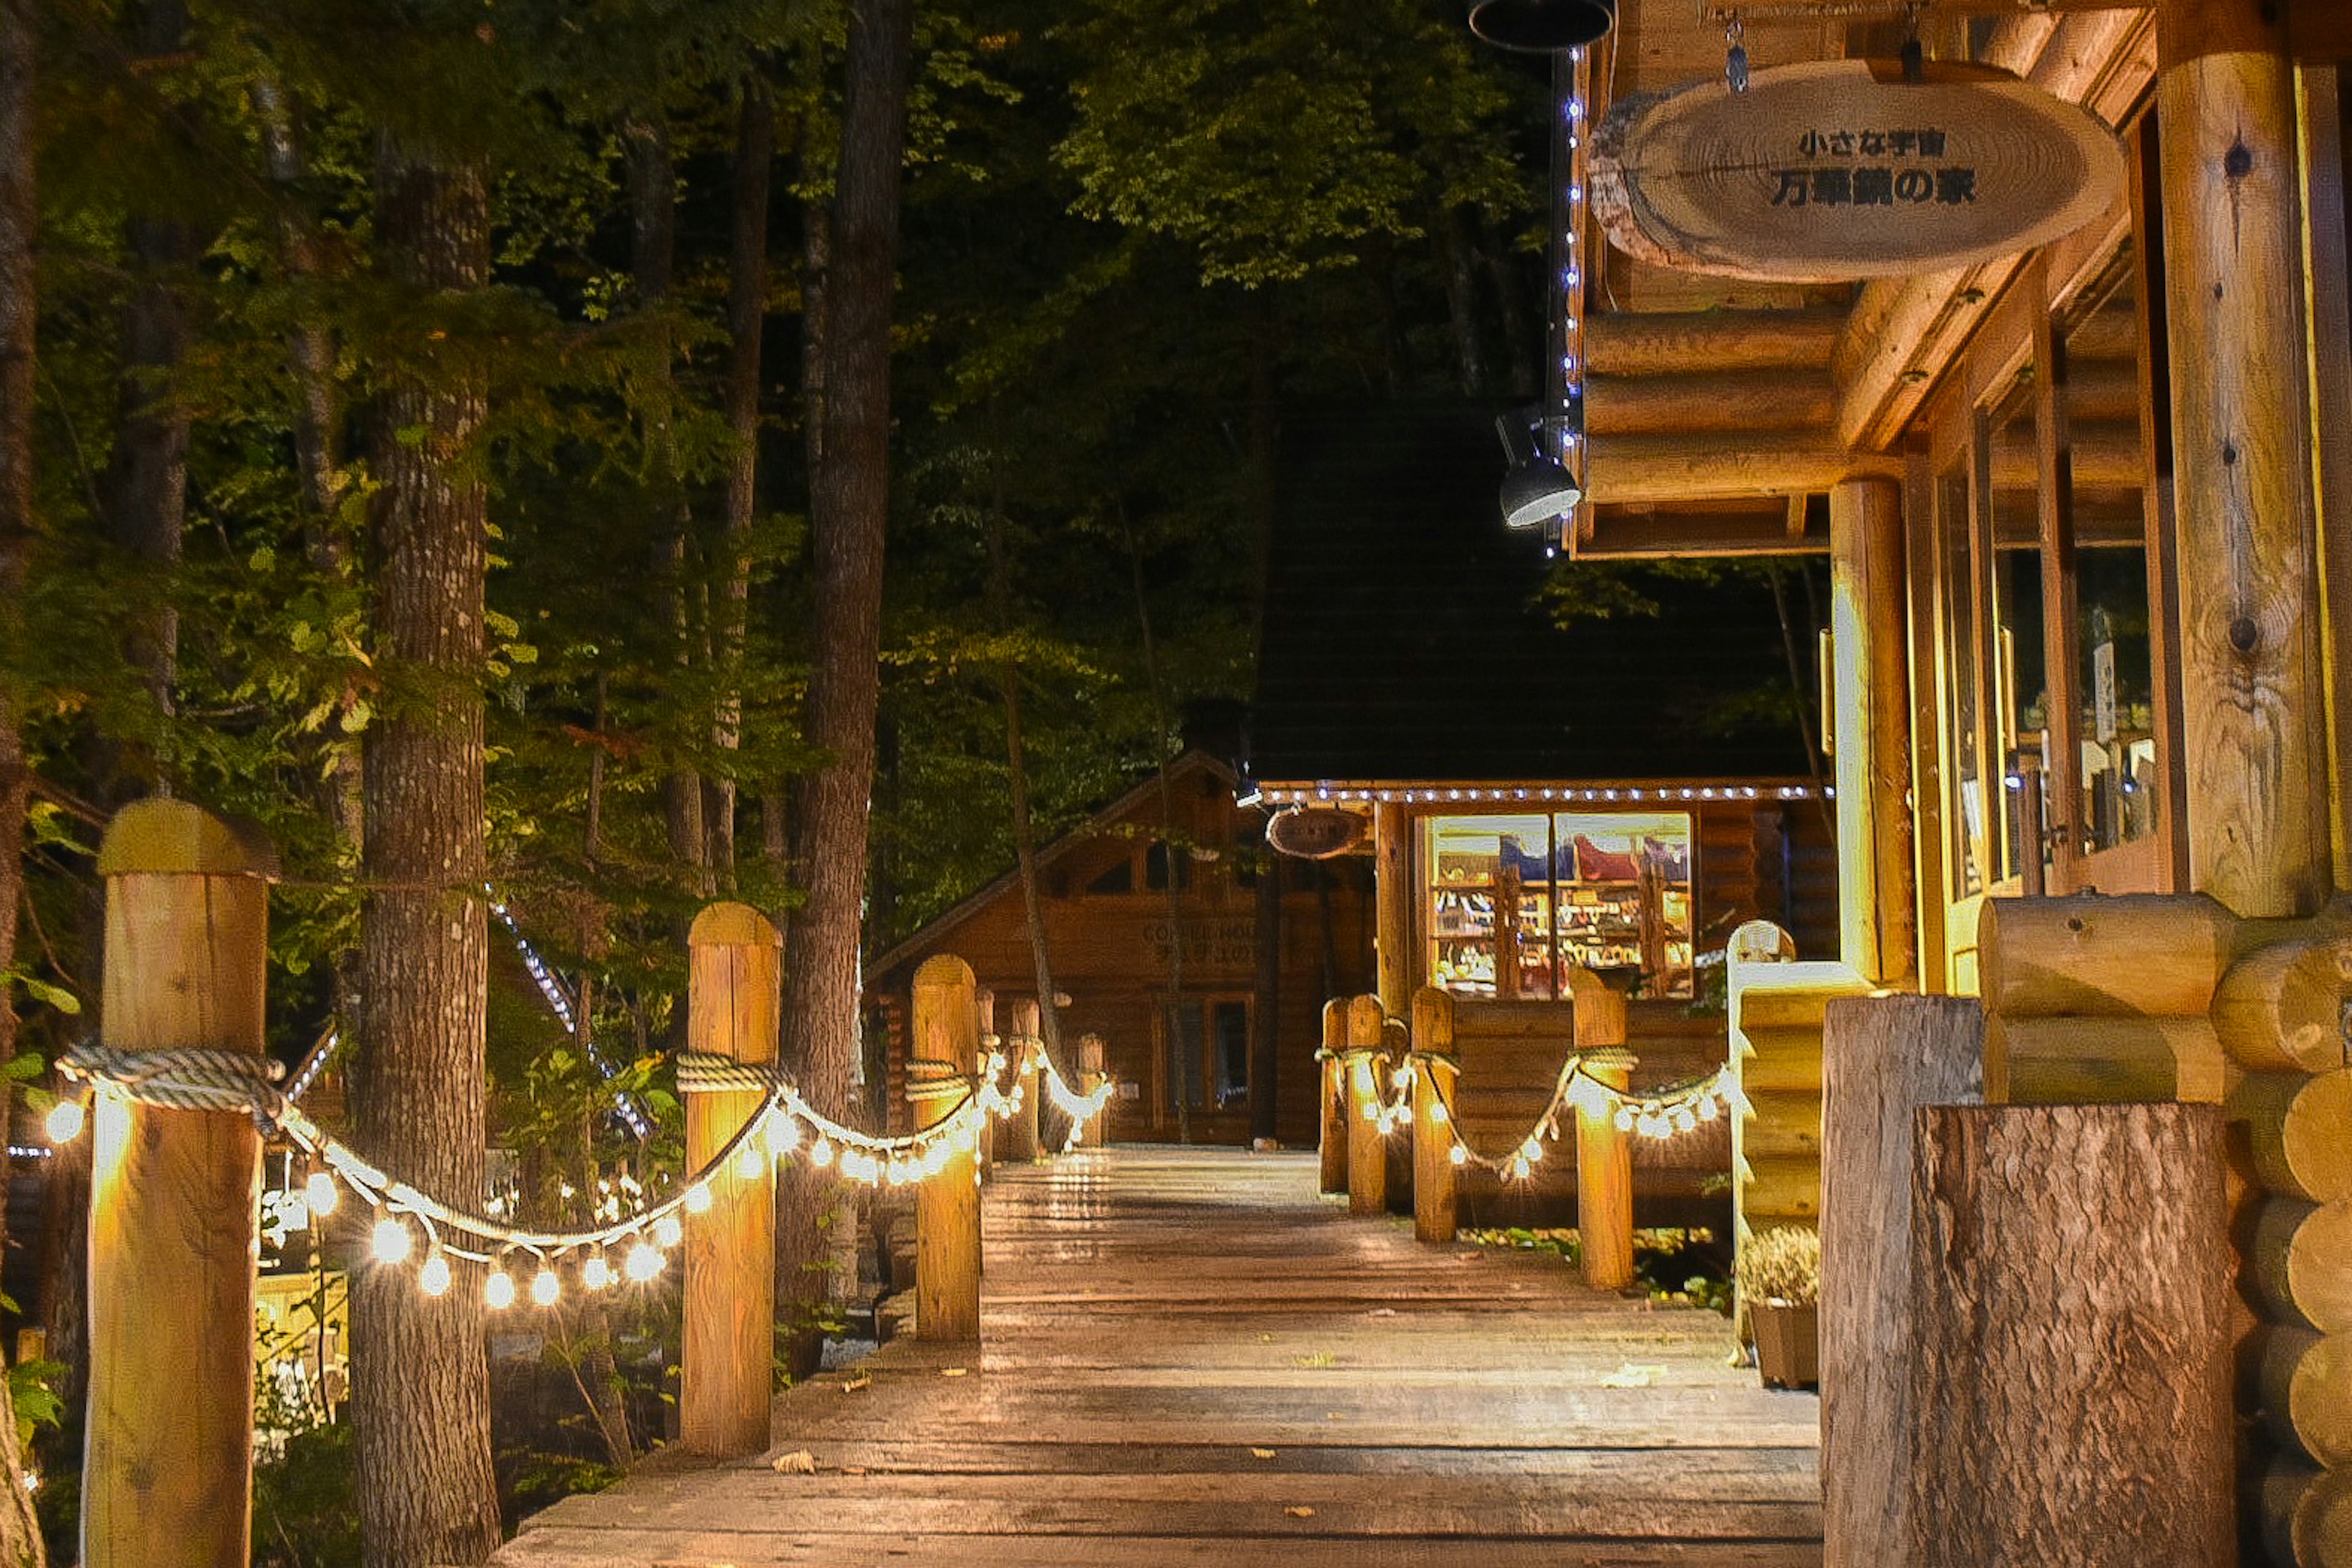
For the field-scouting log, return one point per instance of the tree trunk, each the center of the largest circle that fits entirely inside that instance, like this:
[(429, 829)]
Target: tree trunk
[(2071, 1368), (849, 507), (747, 300), (1882, 1058), (1016, 761), (20, 1537), (652, 241), (1461, 304), (420, 1382), (1169, 849)]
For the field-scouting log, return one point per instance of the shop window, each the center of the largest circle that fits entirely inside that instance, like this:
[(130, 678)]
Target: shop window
[(1208, 1053), (1606, 892), (1119, 878), (2021, 686), (2119, 778)]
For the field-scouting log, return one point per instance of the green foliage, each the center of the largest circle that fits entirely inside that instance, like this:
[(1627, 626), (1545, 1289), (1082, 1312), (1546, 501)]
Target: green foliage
[(305, 1510)]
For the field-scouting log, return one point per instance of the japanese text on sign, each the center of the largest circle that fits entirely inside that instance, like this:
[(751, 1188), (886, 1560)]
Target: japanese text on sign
[(1834, 186), (1926, 141)]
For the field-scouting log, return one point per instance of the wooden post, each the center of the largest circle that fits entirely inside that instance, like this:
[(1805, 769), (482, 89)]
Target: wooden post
[(1509, 894), (2253, 708), (1604, 1177), (1093, 1073), (1016, 1135), (167, 1469), (734, 987), (1877, 917), (1335, 1097), (1435, 1071), (2070, 1367), (1393, 897), (1883, 1058), (1368, 1152), (947, 1205), (984, 1040)]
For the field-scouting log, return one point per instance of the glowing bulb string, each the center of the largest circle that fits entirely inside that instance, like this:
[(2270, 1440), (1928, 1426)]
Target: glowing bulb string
[(1080, 1109), (204, 1079), (1656, 1116)]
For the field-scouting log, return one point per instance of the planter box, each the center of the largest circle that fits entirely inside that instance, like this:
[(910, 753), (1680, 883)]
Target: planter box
[(1787, 1343)]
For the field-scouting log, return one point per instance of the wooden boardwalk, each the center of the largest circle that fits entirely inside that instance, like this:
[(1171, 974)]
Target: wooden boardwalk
[(1192, 1361)]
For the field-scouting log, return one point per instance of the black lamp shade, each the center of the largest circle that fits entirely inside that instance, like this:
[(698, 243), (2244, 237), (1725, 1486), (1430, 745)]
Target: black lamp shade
[(1541, 26)]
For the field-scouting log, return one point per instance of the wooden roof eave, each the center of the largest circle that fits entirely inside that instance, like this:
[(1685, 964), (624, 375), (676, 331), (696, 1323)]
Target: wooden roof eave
[(1537, 794)]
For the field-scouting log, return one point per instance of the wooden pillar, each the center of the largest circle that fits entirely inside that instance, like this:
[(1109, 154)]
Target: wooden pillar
[(1878, 918), (167, 1469), (727, 1362), (947, 1203), (1393, 897), (984, 1040), (1883, 1058), (1435, 1071), (1016, 1135), (2070, 1367), (1368, 1152), (2253, 708), (1604, 1177), (1093, 1073), (1334, 1147)]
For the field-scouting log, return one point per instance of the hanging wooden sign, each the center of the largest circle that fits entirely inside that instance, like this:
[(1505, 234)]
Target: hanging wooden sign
[(1841, 169), (1315, 832)]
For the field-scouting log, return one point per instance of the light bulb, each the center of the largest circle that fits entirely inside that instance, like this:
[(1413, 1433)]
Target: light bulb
[(1459, 1155), (1707, 1109), (643, 1263), (319, 1190), (66, 1119), (497, 1290), (697, 1198), (666, 1231), (596, 1273), (784, 1134), (1437, 1113), (1624, 1118), (545, 1287), (820, 1153), (1684, 1121), (392, 1241), (433, 1278), (749, 1162)]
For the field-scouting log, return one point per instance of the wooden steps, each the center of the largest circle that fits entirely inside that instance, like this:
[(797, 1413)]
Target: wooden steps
[(1191, 1361)]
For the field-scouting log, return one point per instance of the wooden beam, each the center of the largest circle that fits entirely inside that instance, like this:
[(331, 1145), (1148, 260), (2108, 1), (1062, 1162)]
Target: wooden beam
[(2254, 703), (1877, 917), (1668, 343), (1780, 398), (2327, 302), (1393, 898), (1657, 535), (1687, 468)]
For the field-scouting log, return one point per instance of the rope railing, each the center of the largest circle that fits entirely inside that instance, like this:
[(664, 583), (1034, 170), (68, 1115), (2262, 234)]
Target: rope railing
[(785, 1125)]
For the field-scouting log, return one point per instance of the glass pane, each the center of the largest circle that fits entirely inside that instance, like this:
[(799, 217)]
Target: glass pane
[(1623, 882), (2118, 772), (2022, 688), (1185, 1075), (1467, 872), (1960, 659), (1233, 1042)]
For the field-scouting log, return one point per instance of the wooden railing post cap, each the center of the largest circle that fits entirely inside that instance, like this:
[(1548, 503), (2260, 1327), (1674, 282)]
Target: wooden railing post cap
[(731, 924), (944, 969), (160, 836)]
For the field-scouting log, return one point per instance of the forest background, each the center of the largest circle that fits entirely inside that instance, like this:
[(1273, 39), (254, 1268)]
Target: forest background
[(582, 279)]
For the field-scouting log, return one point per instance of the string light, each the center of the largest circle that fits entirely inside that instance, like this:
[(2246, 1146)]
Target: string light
[(697, 1198), (595, 1273), (391, 1243), (320, 1191), (545, 1288), (642, 1264), (66, 1119), (497, 1290), (433, 1278)]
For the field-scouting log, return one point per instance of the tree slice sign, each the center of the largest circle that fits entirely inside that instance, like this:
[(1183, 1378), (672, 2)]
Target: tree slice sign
[(1841, 169), (1315, 832)]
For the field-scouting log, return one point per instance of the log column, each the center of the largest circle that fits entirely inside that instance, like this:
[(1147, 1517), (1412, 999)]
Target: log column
[(1435, 1071), (733, 989), (1877, 908), (167, 1469), (1016, 1135), (2071, 1366), (1393, 895), (1334, 1147), (1604, 1176), (2253, 701), (1093, 1073), (1368, 1151), (947, 1205), (1883, 1058)]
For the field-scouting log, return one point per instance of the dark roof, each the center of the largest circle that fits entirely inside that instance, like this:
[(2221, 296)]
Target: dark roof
[(1403, 639)]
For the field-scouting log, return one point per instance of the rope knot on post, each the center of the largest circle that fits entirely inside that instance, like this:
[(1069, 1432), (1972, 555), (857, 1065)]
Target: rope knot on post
[(185, 1077), (706, 1072)]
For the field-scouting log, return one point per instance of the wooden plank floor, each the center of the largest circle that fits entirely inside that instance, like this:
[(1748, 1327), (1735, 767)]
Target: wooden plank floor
[(1191, 1361)]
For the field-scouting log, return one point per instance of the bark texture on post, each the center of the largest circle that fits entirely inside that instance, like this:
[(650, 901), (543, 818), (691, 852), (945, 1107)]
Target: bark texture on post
[(1016, 1135), (947, 1205), (1368, 1152), (1883, 1058), (1093, 1062), (1435, 1071), (727, 1359), (1334, 1143), (1604, 1178), (2253, 693), (2071, 1375), (420, 1379), (175, 1195), (1877, 911)]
